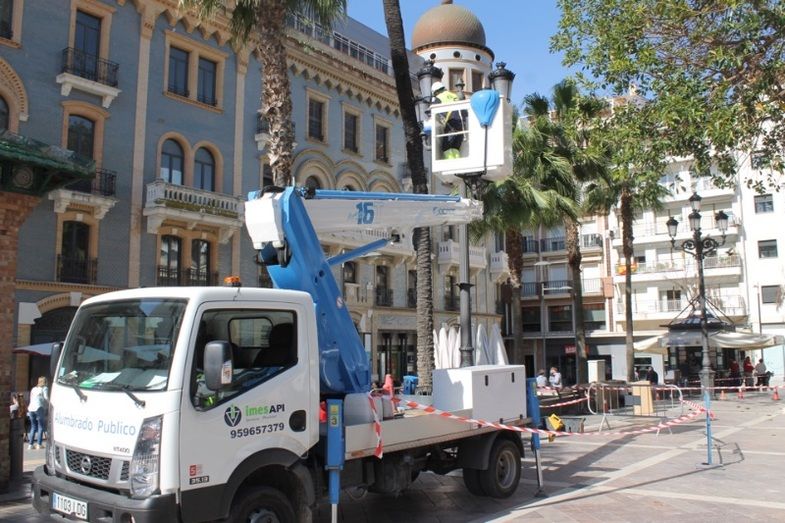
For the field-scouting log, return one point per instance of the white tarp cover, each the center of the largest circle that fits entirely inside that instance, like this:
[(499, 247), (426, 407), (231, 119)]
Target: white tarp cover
[(650, 345), (725, 340)]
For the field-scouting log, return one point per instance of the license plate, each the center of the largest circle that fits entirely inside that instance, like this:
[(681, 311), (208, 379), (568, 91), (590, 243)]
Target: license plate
[(70, 506)]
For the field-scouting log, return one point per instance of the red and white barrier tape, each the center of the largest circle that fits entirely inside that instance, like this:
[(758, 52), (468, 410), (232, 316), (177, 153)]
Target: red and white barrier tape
[(377, 428), (654, 428), (564, 403)]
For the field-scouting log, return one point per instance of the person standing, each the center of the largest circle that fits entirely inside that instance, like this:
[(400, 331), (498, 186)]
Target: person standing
[(453, 123), (748, 370), (36, 411), (542, 381), (652, 376), (760, 373), (555, 379)]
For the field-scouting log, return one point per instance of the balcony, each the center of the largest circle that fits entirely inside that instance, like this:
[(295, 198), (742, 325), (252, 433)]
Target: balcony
[(98, 193), (530, 290), (166, 201), (552, 244), (530, 246), (200, 278), (384, 297), (450, 252), (591, 242), (557, 287), (500, 268), (88, 73), (729, 267), (355, 294), (730, 305), (76, 269), (452, 303), (592, 286)]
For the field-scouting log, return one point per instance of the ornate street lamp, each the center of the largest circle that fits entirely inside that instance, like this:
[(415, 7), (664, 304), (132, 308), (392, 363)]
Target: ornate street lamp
[(501, 80), (700, 246)]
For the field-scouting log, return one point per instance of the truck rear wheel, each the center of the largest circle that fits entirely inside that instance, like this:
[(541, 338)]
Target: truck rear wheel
[(471, 478), (261, 505), (503, 474)]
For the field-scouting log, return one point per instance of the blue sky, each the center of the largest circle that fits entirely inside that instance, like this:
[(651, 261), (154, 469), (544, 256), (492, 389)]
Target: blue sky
[(518, 32)]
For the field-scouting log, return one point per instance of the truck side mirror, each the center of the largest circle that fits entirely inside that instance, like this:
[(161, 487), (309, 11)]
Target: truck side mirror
[(54, 357), (218, 365)]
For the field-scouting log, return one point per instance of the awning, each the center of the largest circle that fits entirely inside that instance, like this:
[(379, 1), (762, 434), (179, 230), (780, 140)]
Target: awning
[(723, 340), (650, 345), (39, 349)]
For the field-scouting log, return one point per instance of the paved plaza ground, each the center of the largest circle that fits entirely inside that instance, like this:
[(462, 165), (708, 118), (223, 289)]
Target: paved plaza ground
[(646, 477)]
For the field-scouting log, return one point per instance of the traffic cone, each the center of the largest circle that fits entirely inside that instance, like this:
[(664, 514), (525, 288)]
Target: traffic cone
[(388, 385), (722, 395), (776, 395), (741, 393)]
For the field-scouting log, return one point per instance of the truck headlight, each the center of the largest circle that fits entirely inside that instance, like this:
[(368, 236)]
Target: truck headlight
[(50, 442), (145, 464)]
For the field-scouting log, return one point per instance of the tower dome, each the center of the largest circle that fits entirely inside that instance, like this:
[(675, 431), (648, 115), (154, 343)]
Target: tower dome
[(448, 24)]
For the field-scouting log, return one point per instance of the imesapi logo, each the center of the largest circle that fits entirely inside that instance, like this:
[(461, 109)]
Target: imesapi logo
[(265, 411), (233, 415)]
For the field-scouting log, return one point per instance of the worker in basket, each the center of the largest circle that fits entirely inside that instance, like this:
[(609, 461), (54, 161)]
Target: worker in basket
[(453, 125)]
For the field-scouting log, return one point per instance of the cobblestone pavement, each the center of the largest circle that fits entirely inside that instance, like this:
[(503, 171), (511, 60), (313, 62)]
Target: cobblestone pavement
[(601, 478)]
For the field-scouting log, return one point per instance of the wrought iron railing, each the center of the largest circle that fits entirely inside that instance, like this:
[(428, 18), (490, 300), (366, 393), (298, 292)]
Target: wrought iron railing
[(89, 66), (104, 183), (384, 297), (552, 244), (200, 277), (76, 269), (168, 276)]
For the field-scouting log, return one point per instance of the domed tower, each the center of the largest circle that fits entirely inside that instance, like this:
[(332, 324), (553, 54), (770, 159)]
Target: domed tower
[(453, 37)]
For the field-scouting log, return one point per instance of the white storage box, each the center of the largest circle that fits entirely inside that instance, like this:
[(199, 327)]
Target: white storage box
[(493, 392)]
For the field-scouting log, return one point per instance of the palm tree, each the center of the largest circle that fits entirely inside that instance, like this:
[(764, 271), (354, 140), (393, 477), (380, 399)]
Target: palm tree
[(414, 156), (572, 120), (266, 20)]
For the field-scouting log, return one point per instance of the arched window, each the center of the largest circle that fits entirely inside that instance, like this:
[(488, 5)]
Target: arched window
[(312, 182), (4, 114), (169, 261), (81, 135), (200, 263), (204, 170), (172, 162)]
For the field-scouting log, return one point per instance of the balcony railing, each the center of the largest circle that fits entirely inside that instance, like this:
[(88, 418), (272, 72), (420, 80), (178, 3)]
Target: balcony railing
[(384, 297), (552, 244), (89, 67), (591, 285), (557, 287), (200, 278), (103, 184), (591, 241), (530, 289), (168, 276), (75, 269), (452, 303), (530, 246), (731, 305), (176, 196)]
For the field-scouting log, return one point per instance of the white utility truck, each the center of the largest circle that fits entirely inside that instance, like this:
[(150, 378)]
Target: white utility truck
[(251, 404)]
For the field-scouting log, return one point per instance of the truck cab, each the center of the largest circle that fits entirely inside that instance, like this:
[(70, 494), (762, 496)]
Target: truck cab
[(137, 432)]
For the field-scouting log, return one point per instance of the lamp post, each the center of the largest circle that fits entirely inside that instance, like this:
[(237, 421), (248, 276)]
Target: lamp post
[(700, 246), (501, 81)]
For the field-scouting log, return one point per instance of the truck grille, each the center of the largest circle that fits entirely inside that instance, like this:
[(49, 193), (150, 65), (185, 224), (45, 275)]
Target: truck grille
[(88, 465), (124, 471)]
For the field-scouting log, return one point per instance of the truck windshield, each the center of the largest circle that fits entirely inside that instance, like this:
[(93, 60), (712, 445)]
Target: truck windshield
[(122, 345)]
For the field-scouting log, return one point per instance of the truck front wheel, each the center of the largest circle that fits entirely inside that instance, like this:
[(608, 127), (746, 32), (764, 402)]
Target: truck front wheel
[(501, 477), (261, 505), (471, 478)]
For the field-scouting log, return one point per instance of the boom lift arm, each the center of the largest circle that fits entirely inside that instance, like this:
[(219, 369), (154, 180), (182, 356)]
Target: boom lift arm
[(283, 226)]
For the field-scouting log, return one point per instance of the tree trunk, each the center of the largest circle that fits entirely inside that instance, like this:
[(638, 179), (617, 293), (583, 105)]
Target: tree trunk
[(276, 99), (514, 248), (627, 251), (574, 260), (414, 156)]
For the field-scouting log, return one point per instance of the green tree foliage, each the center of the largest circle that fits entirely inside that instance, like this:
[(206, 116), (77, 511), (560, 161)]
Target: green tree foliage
[(713, 72), (262, 23)]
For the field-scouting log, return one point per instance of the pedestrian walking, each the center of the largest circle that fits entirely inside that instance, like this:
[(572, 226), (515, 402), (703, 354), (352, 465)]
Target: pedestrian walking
[(37, 410), (761, 374), (749, 369)]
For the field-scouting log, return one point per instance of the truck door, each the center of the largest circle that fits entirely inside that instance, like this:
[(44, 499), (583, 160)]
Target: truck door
[(269, 405)]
